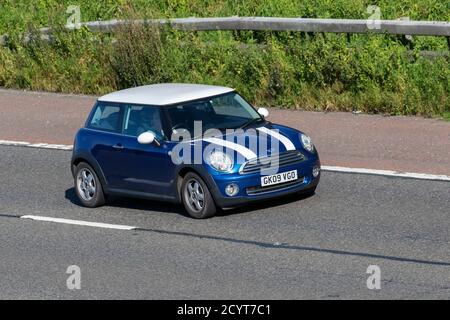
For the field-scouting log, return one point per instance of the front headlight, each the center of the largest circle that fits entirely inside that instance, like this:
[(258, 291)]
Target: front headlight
[(220, 161), (307, 143)]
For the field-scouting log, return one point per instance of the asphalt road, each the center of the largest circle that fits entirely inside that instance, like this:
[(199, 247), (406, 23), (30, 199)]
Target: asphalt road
[(292, 248)]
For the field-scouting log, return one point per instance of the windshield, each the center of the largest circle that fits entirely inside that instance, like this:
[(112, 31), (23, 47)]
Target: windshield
[(228, 111)]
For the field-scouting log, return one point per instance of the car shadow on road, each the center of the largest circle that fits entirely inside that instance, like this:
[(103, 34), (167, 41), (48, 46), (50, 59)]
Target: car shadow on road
[(167, 207), (132, 203), (265, 204)]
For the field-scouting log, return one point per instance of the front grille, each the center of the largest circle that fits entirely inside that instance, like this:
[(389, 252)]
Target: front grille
[(277, 187), (276, 160)]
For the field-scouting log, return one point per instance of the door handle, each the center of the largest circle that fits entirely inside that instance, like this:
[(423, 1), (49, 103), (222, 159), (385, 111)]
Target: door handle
[(118, 146)]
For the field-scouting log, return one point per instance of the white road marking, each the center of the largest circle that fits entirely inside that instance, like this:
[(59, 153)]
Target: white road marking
[(389, 173), (36, 145), (79, 222)]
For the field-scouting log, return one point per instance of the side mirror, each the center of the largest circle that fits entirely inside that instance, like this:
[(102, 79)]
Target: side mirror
[(264, 112), (147, 138)]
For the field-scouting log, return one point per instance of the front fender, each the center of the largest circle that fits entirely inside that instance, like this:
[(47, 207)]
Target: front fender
[(88, 158), (202, 172)]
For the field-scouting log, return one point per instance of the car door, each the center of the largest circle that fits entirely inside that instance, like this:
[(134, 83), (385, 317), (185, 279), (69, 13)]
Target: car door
[(144, 167), (106, 140)]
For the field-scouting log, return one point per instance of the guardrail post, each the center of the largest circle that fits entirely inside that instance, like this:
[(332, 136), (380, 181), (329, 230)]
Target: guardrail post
[(407, 41), (3, 40), (448, 43)]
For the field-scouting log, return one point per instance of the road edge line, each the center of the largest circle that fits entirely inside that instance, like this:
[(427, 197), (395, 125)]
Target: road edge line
[(36, 145), (387, 173)]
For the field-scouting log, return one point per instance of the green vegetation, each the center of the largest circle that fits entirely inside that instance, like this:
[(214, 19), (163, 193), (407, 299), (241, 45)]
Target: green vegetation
[(370, 73), (446, 116)]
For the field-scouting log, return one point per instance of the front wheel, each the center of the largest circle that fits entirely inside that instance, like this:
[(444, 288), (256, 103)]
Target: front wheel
[(197, 199), (88, 187)]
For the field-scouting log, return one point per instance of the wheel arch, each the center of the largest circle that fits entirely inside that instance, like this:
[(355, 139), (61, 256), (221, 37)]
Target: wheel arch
[(76, 160), (201, 172)]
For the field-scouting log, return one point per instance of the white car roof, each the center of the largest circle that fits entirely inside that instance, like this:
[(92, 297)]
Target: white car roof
[(164, 93)]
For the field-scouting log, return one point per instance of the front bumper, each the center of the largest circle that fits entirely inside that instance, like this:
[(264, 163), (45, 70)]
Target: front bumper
[(248, 183)]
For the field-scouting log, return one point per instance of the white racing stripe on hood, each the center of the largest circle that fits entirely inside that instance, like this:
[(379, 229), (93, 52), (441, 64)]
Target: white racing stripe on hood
[(284, 140), (247, 153)]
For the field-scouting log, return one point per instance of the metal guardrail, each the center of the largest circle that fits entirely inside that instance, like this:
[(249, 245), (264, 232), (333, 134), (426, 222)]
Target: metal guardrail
[(394, 27)]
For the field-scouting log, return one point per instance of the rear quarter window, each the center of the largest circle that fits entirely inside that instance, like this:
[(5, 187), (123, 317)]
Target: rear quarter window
[(106, 117)]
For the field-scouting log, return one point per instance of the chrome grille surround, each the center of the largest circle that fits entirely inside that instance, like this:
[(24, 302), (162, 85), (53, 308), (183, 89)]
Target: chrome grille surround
[(281, 159)]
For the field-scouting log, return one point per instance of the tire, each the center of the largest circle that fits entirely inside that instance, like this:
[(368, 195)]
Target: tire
[(88, 187), (196, 197)]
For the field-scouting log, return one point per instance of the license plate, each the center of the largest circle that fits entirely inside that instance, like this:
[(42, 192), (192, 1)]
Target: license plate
[(279, 178)]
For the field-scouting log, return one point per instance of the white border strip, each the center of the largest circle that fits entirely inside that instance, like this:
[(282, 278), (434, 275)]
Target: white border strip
[(389, 173), (35, 145), (79, 222)]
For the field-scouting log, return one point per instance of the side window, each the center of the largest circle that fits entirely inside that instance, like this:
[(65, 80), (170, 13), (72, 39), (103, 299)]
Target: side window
[(139, 119), (106, 118)]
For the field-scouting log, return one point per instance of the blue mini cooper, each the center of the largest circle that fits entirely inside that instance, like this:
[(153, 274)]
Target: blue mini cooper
[(203, 146)]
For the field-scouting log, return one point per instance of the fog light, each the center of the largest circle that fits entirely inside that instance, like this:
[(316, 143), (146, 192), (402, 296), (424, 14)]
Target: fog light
[(231, 190), (316, 171)]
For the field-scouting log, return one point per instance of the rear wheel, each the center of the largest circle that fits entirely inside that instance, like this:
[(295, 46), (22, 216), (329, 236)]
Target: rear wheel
[(196, 197), (88, 187)]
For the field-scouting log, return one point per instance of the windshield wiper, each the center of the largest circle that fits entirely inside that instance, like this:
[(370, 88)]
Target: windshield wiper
[(252, 121)]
